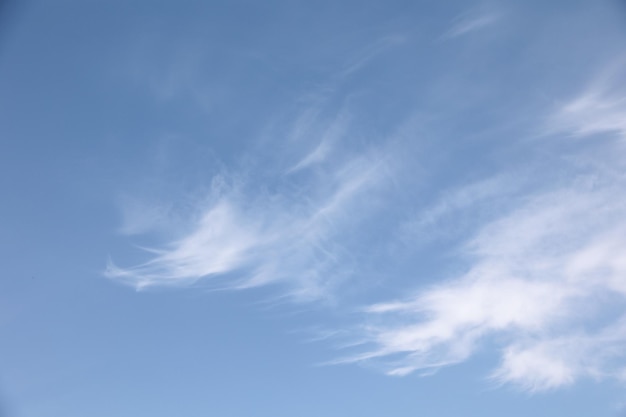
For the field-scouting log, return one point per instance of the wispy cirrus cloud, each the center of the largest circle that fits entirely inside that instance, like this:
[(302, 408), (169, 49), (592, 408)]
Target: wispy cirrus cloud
[(538, 278), (323, 141), (470, 22), (290, 236), (545, 281), (284, 216), (459, 208), (541, 278), (367, 54), (599, 110)]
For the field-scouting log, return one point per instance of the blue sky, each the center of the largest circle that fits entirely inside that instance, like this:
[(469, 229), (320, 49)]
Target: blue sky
[(289, 208)]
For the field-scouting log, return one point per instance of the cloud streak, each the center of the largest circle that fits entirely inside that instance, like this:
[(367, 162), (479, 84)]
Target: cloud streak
[(471, 22), (599, 110)]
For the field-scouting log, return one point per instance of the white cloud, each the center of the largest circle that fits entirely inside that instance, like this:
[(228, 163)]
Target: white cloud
[(367, 54), (471, 22), (457, 207), (548, 363), (221, 242), (594, 112), (598, 110), (282, 221), (327, 140), (287, 237), (541, 273), (546, 282)]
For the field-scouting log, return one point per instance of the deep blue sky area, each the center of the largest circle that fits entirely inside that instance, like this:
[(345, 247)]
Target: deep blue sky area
[(297, 208)]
